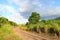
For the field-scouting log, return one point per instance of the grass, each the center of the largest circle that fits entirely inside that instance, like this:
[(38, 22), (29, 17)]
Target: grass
[(43, 27), (22, 26), (6, 33)]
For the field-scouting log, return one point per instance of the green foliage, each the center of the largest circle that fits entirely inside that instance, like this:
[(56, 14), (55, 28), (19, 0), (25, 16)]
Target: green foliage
[(4, 20), (51, 31), (13, 23), (45, 26), (22, 26), (6, 32), (34, 18), (33, 21)]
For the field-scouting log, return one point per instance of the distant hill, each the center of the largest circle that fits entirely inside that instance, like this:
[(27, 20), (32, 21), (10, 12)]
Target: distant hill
[(6, 32), (4, 20), (58, 18)]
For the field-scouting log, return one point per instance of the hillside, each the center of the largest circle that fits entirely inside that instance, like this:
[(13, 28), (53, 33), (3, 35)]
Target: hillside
[(58, 18), (4, 20), (6, 32), (49, 27)]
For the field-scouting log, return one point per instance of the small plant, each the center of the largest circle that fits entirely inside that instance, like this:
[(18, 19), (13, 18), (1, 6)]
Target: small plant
[(42, 29), (51, 31)]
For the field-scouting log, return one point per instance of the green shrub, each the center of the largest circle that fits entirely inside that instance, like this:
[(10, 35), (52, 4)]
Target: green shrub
[(6, 33)]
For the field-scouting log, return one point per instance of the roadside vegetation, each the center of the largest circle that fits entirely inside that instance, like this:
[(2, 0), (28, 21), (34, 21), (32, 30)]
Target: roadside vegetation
[(51, 26), (6, 32), (23, 26)]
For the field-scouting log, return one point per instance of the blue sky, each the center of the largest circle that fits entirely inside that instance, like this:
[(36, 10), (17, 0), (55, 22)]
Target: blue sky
[(19, 10)]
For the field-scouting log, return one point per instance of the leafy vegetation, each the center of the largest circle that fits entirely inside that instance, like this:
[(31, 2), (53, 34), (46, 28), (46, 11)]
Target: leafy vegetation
[(44, 26), (13, 23), (6, 32), (23, 26), (34, 18)]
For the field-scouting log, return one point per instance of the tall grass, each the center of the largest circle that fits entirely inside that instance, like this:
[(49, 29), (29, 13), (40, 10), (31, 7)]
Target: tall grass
[(6, 33), (45, 26)]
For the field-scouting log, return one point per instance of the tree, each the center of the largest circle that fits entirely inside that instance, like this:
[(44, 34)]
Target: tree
[(3, 21), (12, 23), (34, 18)]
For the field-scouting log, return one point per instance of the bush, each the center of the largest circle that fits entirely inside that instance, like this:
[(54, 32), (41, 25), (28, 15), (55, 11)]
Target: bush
[(6, 33), (51, 31), (42, 29)]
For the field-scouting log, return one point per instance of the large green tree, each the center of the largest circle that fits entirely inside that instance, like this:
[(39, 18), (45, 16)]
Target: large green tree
[(34, 18)]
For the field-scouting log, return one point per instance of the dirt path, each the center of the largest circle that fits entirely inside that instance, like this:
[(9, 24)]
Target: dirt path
[(27, 36)]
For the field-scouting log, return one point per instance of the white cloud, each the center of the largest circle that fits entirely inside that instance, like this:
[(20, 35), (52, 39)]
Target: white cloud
[(26, 5), (13, 15), (45, 8), (52, 11)]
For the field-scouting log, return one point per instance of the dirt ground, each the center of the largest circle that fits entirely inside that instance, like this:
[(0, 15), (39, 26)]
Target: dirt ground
[(32, 35)]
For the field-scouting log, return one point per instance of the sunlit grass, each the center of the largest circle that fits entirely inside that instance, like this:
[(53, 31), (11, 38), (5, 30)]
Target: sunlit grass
[(23, 26), (6, 33)]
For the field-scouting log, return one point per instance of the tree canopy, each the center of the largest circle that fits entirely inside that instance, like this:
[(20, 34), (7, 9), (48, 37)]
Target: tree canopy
[(34, 18)]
